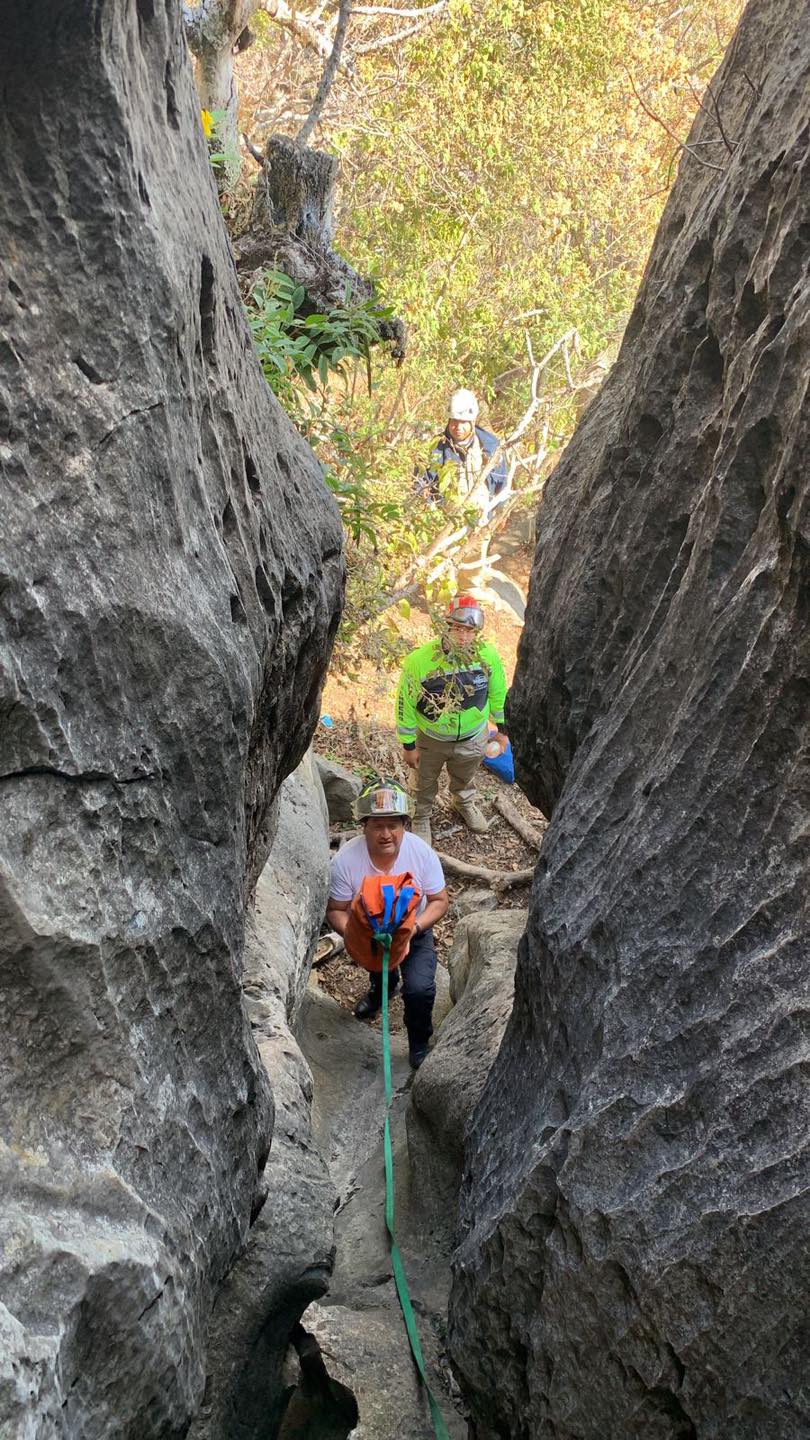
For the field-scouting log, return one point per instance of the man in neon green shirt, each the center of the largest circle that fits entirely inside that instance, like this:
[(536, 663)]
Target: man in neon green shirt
[(448, 690)]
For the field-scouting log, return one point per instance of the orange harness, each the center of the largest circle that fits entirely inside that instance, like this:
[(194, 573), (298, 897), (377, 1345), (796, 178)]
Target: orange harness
[(384, 906)]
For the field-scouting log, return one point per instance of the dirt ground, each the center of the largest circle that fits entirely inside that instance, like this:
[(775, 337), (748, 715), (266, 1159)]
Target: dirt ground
[(361, 737)]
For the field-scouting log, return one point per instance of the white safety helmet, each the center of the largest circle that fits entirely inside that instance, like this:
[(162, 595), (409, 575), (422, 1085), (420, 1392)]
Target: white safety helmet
[(463, 406)]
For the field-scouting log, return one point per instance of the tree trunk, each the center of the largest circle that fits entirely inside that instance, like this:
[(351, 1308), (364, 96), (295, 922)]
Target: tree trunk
[(291, 230), (295, 192), (212, 30)]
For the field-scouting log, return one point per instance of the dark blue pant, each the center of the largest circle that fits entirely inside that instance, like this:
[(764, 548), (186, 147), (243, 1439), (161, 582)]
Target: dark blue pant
[(418, 975)]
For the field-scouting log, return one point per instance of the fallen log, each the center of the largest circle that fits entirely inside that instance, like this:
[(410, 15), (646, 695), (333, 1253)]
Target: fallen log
[(498, 879), (526, 831)]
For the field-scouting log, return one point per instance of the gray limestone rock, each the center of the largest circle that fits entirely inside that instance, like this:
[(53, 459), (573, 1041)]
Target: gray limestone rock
[(634, 1259), (369, 1354), (341, 789), (467, 902), (288, 1258), (170, 580), (447, 1087)]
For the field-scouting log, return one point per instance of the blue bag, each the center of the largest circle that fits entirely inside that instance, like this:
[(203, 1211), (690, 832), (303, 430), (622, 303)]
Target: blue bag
[(502, 765)]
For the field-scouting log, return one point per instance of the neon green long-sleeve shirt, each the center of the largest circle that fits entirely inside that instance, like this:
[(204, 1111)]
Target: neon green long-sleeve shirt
[(450, 698)]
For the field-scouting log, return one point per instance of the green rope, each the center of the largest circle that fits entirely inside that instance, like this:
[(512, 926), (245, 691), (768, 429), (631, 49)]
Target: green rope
[(439, 1427)]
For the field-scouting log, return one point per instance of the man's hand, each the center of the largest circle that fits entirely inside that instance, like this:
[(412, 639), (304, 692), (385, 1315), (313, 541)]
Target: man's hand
[(503, 740), (411, 757)]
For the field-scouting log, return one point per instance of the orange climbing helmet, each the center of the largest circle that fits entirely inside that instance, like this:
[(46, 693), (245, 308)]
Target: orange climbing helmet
[(464, 610)]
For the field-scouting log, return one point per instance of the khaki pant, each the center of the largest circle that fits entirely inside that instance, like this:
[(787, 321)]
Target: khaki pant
[(462, 758)]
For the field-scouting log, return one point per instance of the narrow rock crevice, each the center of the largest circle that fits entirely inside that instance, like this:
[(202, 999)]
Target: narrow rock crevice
[(358, 1322), (319, 1407), (86, 777)]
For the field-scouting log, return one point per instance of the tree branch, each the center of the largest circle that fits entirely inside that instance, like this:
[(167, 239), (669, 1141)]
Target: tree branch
[(528, 415), (670, 132), (398, 35), (304, 31), (729, 144), (449, 537), (419, 12), (328, 75), (522, 827), (251, 149), (498, 879)]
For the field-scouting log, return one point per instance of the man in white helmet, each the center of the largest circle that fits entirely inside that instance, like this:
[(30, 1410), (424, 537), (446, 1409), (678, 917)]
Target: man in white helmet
[(469, 447)]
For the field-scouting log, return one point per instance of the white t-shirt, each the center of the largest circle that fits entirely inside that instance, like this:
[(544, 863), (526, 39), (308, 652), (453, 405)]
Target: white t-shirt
[(349, 868)]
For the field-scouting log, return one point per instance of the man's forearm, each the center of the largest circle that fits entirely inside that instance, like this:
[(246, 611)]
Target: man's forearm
[(433, 912), (337, 919)]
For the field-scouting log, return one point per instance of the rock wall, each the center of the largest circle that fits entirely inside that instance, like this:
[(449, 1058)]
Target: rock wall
[(446, 1089), (634, 1259), (170, 580), (288, 1258)]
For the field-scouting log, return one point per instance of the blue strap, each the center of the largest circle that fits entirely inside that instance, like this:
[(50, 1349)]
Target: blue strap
[(404, 899), (389, 897), (393, 913)]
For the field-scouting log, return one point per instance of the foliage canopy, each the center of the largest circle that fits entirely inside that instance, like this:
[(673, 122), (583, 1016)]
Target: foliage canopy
[(503, 173)]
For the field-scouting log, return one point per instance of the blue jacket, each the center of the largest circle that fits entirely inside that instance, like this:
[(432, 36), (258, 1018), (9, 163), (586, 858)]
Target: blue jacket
[(445, 451)]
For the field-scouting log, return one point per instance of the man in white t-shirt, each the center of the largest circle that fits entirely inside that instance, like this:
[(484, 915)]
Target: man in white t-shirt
[(387, 847)]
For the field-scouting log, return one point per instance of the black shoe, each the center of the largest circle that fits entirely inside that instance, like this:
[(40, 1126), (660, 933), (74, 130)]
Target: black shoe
[(368, 1007), (416, 1055)]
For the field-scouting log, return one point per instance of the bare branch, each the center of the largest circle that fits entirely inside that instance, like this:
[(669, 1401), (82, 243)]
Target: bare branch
[(403, 14), (398, 35), (729, 144), (251, 149), (485, 560), (670, 132), (304, 31), (537, 370), (498, 879), (450, 537), (527, 832), (328, 75), (567, 364)]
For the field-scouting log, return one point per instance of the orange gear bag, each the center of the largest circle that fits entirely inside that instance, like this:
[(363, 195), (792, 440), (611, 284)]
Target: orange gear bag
[(384, 905)]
